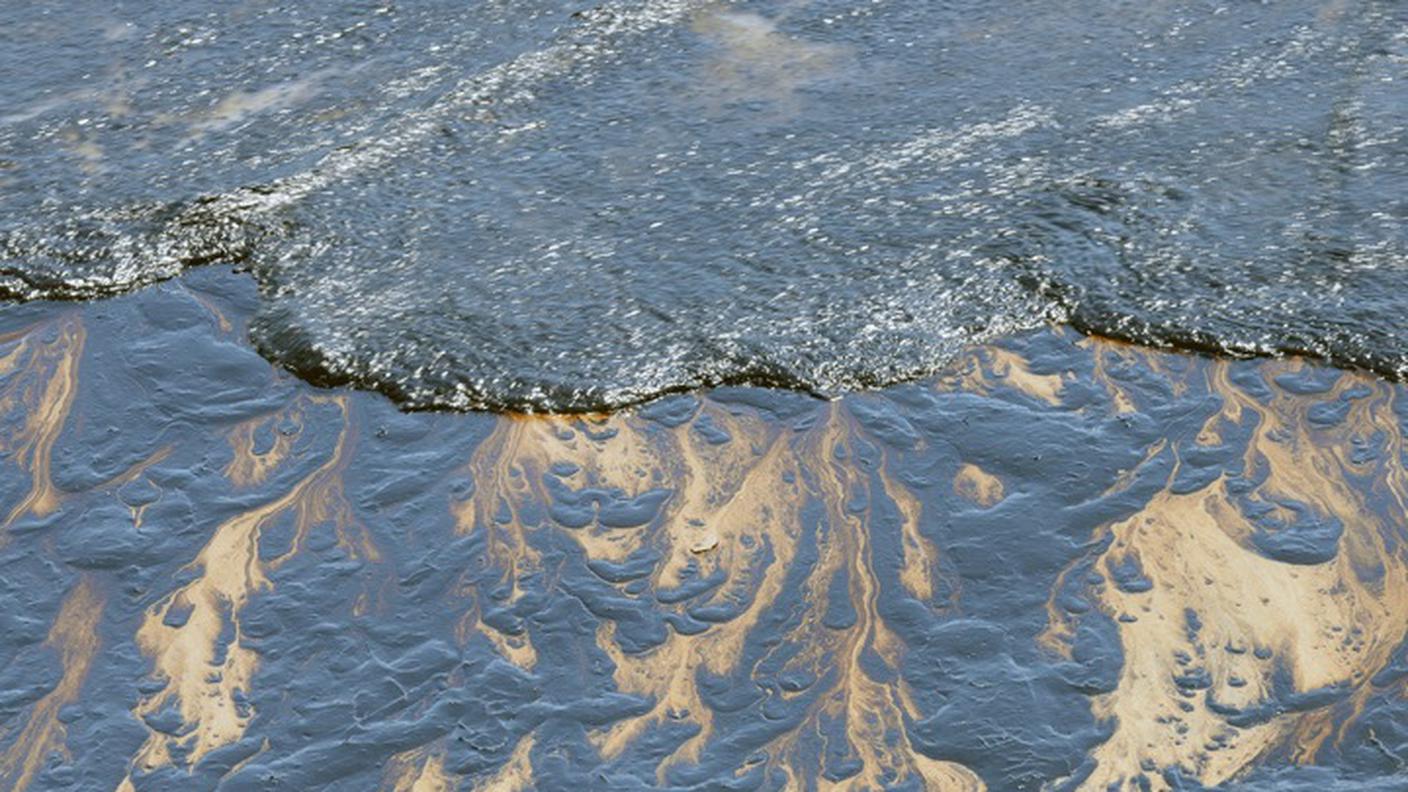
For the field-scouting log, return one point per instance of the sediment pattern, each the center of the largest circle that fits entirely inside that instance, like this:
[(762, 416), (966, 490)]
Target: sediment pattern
[(1064, 563)]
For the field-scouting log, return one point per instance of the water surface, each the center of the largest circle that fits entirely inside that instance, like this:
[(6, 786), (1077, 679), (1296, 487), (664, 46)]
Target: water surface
[(556, 206)]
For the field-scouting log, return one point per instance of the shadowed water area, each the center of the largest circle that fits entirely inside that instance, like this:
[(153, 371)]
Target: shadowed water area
[(558, 206), (1061, 563)]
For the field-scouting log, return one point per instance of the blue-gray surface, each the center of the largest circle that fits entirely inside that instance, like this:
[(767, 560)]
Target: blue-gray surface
[(1060, 564), (562, 206)]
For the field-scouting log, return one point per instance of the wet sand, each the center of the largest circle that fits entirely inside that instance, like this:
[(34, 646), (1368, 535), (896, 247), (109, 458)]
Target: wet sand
[(1063, 563)]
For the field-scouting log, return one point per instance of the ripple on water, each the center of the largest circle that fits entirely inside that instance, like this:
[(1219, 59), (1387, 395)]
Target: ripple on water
[(518, 208)]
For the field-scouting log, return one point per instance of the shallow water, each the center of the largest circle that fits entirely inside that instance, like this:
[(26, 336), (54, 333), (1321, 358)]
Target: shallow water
[(1061, 563), (553, 207)]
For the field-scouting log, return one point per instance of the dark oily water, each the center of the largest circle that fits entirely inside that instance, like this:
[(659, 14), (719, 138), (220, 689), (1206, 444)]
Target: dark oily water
[(1061, 564), (554, 206)]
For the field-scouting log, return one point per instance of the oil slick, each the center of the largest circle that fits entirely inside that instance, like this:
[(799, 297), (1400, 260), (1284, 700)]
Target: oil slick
[(1065, 562), (1256, 608), (417, 771), (721, 513), (978, 486), (754, 62), (194, 635), (74, 640), (41, 372)]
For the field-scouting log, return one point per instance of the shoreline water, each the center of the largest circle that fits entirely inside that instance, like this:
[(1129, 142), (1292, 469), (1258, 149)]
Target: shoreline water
[(658, 195), (1062, 562)]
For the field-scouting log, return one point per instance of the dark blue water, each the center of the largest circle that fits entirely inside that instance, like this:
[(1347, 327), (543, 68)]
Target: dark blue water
[(550, 205)]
